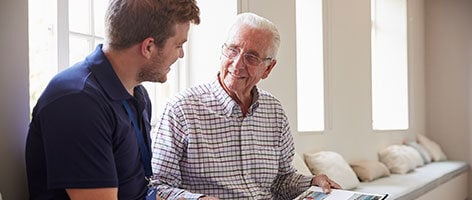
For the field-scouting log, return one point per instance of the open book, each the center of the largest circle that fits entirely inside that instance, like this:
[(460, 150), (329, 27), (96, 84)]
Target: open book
[(316, 193)]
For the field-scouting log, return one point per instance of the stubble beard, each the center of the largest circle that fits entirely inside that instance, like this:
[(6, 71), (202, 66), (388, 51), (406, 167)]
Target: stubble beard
[(152, 71)]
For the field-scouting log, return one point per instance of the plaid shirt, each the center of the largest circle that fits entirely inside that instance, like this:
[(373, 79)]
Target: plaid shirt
[(205, 146)]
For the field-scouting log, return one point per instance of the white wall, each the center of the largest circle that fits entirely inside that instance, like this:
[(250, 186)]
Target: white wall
[(349, 131), (448, 27), (14, 105)]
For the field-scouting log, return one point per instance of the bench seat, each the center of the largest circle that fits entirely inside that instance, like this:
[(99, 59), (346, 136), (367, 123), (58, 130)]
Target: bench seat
[(420, 181)]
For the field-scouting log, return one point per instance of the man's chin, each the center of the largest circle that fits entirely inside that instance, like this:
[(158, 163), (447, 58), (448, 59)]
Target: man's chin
[(162, 79)]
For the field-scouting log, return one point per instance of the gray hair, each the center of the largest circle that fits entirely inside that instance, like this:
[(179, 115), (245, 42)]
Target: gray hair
[(253, 20)]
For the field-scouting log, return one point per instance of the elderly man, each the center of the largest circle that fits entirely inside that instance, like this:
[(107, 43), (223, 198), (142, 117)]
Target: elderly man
[(229, 139)]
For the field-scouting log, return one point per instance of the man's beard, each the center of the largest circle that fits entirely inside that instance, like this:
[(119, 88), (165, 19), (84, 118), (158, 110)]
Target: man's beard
[(153, 71)]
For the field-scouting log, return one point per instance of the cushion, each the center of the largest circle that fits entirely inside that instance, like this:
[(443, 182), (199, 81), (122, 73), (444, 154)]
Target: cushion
[(432, 147), (414, 156), (422, 180), (423, 152), (369, 170), (397, 159), (334, 166), (300, 165)]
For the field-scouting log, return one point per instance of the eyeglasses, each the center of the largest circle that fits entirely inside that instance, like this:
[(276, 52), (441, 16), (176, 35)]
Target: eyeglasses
[(248, 59)]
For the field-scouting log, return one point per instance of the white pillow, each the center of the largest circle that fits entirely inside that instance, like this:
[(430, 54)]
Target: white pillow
[(334, 166), (423, 152), (432, 147), (397, 159), (414, 156), (300, 165)]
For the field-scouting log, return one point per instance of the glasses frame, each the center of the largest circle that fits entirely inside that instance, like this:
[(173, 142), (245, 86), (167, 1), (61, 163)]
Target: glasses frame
[(225, 48)]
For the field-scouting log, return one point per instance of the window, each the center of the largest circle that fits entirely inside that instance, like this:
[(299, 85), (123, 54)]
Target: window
[(51, 35), (205, 40), (42, 45), (86, 27), (63, 32), (310, 73), (389, 65)]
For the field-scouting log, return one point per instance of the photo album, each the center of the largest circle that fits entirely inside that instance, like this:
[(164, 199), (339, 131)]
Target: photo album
[(316, 193)]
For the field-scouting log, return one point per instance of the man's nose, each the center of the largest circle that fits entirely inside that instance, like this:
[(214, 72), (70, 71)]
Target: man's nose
[(238, 61), (181, 53)]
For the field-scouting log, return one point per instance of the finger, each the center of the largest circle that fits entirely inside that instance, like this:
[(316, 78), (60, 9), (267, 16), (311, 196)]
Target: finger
[(326, 186), (319, 179), (334, 184)]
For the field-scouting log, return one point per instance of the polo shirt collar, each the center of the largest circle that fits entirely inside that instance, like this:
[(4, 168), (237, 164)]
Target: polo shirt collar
[(105, 74)]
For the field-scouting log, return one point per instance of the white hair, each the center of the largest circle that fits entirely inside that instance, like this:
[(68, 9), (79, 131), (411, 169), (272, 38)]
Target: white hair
[(253, 20)]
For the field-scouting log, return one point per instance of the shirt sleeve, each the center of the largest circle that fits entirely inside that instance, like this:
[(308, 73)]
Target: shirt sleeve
[(288, 184), (169, 145), (78, 143)]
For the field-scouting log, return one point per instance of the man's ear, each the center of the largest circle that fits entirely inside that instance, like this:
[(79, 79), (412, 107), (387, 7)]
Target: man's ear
[(147, 46), (269, 69)]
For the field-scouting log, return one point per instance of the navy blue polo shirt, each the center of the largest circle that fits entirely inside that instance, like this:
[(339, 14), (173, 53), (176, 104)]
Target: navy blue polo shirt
[(81, 136)]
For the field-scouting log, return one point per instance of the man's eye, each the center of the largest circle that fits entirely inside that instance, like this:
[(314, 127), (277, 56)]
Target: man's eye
[(252, 59), (232, 52)]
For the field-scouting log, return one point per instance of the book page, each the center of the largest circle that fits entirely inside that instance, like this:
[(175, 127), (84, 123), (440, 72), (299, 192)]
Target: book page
[(316, 193)]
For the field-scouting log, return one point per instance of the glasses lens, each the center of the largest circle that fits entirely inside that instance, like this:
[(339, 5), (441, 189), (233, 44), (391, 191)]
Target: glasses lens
[(252, 60), (230, 52), (248, 59)]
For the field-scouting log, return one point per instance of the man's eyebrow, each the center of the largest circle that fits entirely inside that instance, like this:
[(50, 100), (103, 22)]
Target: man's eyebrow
[(253, 52)]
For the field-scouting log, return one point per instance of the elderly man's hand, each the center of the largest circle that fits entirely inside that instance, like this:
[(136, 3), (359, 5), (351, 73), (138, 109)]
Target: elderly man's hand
[(324, 182)]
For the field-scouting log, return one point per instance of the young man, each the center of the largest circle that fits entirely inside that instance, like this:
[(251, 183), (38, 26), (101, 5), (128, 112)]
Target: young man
[(87, 127), (229, 139)]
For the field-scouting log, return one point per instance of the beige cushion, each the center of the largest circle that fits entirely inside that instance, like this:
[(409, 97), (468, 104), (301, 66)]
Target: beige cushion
[(369, 170), (300, 165), (432, 147), (397, 159), (334, 166)]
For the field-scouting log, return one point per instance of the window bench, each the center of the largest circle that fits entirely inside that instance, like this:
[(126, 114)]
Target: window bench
[(433, 181)]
